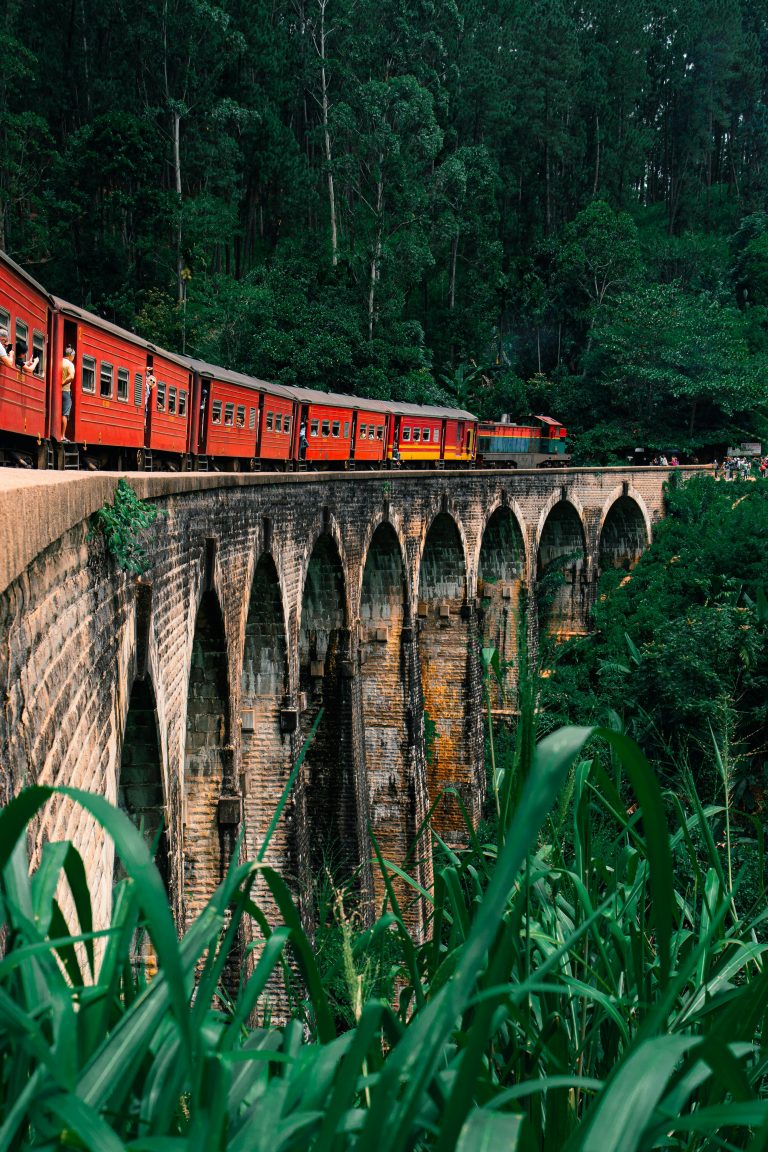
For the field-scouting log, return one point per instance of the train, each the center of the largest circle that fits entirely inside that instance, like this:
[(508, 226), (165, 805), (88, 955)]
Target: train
[(136, 406)]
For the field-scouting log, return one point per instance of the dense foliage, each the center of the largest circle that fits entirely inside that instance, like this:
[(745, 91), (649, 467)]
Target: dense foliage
[(680, 647), (569, 996), (384, 196)]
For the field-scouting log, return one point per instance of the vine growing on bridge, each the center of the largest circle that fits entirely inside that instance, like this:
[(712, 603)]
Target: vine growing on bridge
[(122, 525)]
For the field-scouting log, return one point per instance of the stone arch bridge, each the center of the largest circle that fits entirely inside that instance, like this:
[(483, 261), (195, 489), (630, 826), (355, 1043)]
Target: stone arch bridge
[(186, 695)]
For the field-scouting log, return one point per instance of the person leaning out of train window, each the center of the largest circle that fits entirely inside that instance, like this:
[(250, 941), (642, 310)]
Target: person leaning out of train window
[(67, 379), (28, 363), (149, 387), (6, 352)]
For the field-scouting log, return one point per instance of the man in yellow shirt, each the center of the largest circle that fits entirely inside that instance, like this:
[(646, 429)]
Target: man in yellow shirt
[(67, 379)]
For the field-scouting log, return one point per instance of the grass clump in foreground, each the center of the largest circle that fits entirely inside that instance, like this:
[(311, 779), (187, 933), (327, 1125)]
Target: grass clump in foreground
[(562, 1001)]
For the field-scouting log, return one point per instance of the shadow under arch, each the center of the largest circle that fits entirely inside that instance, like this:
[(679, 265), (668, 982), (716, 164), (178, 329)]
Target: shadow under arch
[(623, 535), (329, 829), (265, 750), (501, 571), (561, 592), (140, 792), (385, 691), (448, 665), (206, 845)]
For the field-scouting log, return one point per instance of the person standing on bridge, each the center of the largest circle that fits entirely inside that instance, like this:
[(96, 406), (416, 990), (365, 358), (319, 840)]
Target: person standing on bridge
[(67, 378)]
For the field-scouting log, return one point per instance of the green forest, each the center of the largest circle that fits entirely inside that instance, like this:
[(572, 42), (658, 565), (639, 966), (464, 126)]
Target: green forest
[(521, 205)]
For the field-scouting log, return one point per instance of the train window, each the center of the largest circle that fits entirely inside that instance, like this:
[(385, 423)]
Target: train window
[(326, 427), (314, 428), (336, 427), (286, 423), (229, 415), (216, 412), (240, 417), (406, 434), (88, 374), (161, 395), (106, 381), (346, 429), (270, 421), (171, 401), (371, 431), (182, 402), (138, 389), (416, 435), (380, 432), (38, 350), (22, 337), (362, 431), (5, 321), (123, 381), (278, 422), (425, 435), (252, 418)]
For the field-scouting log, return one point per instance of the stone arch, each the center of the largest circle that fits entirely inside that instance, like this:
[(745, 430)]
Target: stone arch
[(330, 828), (265, 716), (561, 571), (501, 582), (449, 674), (393, 521), (624, 532), (206, 842), (385, 693)]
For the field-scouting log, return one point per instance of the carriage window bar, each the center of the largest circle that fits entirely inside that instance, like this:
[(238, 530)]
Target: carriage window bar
[(380, 432), (416, 435), (88, 374), (371, 432), (406, 434), (286, 423), (240, 417), (216, 412), (252, 418), (270, 421), (5, 322), (106, 381), (161, 395), (171, 401), (346, 429), (123, 382), (363, 428), (314, 428), (138, 389), (278, 422), (425, 435), (38, 349), (326, 427), (336, 428), (182, 402), (229, 415)]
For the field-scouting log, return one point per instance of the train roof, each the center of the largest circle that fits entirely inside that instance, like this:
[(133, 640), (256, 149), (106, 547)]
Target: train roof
[(115, 329), (549, 420), (229, 376), (26, 276)]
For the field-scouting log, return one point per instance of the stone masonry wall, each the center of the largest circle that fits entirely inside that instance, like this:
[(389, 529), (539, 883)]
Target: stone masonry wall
[(75, 633)]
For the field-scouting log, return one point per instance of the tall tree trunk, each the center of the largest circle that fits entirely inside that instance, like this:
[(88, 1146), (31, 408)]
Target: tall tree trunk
[(325, 108), (176, 121), (454, 259), (376, 257), (596, 181)]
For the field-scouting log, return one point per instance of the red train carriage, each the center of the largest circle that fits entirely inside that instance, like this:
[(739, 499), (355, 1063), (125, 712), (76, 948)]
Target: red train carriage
[(422, 435), (107, 417), (225, 418), (328, 419), (168, 406), (25, 310), (276, 445)]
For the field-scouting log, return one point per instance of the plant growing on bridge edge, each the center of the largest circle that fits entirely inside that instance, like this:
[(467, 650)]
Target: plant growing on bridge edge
[(123, 523)]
